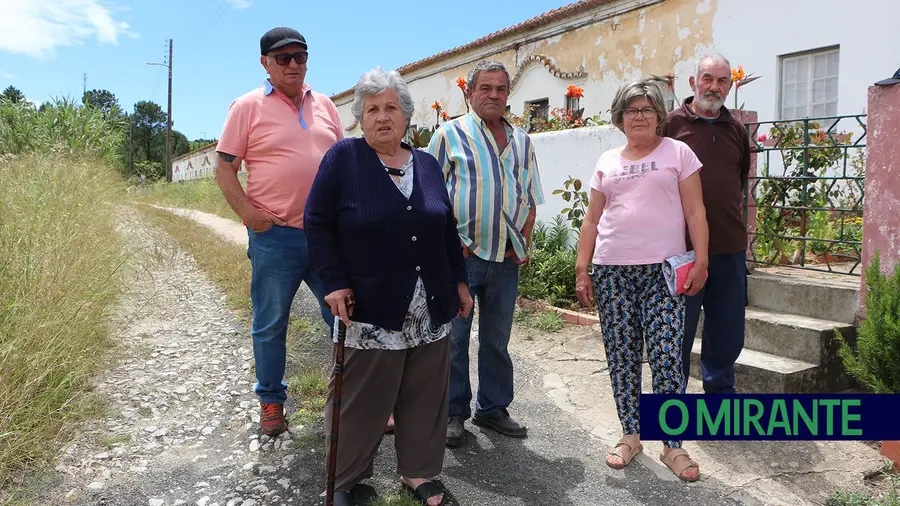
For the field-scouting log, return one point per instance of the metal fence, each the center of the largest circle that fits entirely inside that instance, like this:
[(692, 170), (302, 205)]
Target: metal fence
[(806, 198)]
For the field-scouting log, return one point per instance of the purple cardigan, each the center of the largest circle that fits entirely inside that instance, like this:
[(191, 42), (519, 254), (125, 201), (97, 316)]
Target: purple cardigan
[(365, 235)]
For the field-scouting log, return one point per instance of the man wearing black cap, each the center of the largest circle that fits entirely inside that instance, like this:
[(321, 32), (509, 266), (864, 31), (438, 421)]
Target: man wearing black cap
[(280, 131)]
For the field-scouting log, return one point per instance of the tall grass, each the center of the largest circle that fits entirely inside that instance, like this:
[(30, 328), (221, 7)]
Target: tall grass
[(199, 194), (59, 266)]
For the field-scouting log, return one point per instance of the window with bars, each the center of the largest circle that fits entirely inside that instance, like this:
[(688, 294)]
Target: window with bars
[(809, 84)]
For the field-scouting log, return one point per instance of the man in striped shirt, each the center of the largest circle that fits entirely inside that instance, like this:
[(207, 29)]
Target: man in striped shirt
[(491, 174)]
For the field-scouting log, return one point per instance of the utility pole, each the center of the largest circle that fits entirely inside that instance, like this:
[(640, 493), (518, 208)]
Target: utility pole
[(84, 86), (169, 122), (168, 65)]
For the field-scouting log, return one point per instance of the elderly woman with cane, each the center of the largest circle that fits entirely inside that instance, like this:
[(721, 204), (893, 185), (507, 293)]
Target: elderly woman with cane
[(382, 235), (643, 196)]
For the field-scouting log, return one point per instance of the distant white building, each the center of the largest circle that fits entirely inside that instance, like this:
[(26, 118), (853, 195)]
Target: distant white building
[(197, 164)]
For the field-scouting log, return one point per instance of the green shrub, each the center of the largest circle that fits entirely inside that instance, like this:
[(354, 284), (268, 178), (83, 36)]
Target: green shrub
[(550, 271), (876, 360)]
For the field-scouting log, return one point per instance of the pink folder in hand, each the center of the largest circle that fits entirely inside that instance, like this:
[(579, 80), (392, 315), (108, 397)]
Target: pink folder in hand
[(676, 269)]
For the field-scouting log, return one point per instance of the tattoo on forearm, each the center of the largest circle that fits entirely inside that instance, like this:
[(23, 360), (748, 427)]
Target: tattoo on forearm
[(227, 157)]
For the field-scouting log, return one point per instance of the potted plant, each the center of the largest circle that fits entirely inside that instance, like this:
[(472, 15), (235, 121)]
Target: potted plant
[(875, 361)]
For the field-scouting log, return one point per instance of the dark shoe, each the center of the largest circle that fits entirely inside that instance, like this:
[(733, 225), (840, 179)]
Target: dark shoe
[(342, 498), (454, 431), (271, 419), (502, 424)]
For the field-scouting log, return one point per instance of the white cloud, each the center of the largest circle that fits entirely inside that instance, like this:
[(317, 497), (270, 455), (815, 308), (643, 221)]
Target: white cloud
[(37, 27), (240, 4), (7, 75)]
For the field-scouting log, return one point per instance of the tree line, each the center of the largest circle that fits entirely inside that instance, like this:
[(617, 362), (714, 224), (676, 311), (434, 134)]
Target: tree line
[(143, 151)]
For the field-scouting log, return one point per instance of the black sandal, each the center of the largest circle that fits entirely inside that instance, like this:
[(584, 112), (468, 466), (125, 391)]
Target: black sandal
[(426, 491)]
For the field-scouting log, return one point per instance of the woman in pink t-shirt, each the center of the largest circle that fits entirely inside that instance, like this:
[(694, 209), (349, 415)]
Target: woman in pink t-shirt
[(644, 196)]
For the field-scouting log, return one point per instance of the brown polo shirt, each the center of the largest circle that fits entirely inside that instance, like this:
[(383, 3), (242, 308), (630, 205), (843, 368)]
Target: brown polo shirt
[(723, 147)]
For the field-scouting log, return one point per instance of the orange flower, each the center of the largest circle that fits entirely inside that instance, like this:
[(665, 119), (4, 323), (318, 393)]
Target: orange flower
[(738, 74), (574, 91), (436, 106), (461, 83), (445, 116)]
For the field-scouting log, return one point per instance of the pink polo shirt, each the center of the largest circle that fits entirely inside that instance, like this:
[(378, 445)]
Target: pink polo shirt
[(281, 146), (643, 221)]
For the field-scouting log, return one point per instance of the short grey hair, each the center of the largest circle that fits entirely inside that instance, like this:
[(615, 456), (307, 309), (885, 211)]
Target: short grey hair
[(713, 57), (645, 88), (486, 66), (375, 82)]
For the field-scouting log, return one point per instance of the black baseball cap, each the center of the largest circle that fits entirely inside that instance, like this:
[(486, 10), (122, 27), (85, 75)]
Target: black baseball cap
[(891, 80), (280, 37)]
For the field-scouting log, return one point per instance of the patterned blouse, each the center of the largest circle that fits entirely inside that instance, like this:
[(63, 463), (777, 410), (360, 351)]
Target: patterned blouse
[(417, 328)]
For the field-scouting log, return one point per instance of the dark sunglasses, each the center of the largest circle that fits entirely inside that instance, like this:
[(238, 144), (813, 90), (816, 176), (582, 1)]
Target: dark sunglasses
[(284, 59)]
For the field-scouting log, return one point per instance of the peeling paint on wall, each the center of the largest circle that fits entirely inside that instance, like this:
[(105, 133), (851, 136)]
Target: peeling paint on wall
[(653, 40)]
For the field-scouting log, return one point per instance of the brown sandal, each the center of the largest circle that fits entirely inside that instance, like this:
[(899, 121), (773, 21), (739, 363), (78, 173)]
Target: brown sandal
[(630, 454), (679, 466)]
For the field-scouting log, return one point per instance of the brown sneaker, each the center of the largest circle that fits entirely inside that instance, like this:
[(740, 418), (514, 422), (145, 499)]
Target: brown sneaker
[(271, 419)]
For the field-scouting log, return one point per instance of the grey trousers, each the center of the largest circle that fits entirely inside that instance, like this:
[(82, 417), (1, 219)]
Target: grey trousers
[(412, 384)]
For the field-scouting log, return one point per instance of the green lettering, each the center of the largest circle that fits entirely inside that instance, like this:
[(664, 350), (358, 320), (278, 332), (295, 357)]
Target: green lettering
[(829, 418), (846, 417), (662, 417), (737, 417), (752, 418), (705, 420), (779, 418), (811, 423)]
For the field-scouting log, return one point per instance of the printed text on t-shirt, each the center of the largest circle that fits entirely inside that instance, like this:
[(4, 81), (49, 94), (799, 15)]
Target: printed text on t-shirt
[(633, 171)]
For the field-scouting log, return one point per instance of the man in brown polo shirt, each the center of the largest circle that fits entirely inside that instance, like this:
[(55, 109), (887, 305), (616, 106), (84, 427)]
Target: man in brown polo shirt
[(721, 143)]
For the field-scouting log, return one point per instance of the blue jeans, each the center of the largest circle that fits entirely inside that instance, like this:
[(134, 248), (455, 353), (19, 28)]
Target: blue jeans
[(279, 259), (723, 300), (495, 287)]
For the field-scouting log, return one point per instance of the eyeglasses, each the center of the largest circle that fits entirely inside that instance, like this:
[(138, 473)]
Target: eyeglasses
[(284, 59), (646, 112)]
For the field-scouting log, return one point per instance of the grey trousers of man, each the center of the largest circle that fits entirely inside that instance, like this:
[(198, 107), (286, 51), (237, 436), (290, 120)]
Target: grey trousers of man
[(413, 384)]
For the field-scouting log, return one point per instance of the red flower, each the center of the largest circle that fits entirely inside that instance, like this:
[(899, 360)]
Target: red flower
[(436, 106), (574, 91), (461, 83), (445, 116), (761, 138)]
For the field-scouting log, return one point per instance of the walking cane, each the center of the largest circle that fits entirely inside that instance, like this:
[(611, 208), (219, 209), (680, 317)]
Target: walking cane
[(336, 403)]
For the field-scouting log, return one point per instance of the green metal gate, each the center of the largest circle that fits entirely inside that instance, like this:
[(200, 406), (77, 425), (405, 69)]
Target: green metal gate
[(806, 197)]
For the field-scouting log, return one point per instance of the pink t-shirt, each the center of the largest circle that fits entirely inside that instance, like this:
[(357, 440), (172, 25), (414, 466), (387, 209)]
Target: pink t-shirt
[(643, 221), (282, 154)]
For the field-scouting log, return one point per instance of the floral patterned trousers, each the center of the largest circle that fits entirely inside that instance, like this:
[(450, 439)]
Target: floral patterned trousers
[(635, 306)]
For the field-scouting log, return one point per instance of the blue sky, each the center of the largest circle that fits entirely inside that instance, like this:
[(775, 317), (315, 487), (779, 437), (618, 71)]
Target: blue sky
[(46, 46)]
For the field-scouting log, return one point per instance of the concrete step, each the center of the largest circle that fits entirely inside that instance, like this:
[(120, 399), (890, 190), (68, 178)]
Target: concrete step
[(757, 372), (791, 336), (805, 293)]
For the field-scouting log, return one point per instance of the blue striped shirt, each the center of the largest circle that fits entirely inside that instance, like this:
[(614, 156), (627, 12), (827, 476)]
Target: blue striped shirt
[(492, 191)]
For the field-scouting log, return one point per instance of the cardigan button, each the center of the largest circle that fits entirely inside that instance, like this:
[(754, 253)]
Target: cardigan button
[(418, 268), (409, 208), (414, 238)]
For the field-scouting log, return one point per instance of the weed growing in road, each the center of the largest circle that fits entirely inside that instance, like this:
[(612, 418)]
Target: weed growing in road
[(309, 388), (888, 495), (547, 321), (395, 500)]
